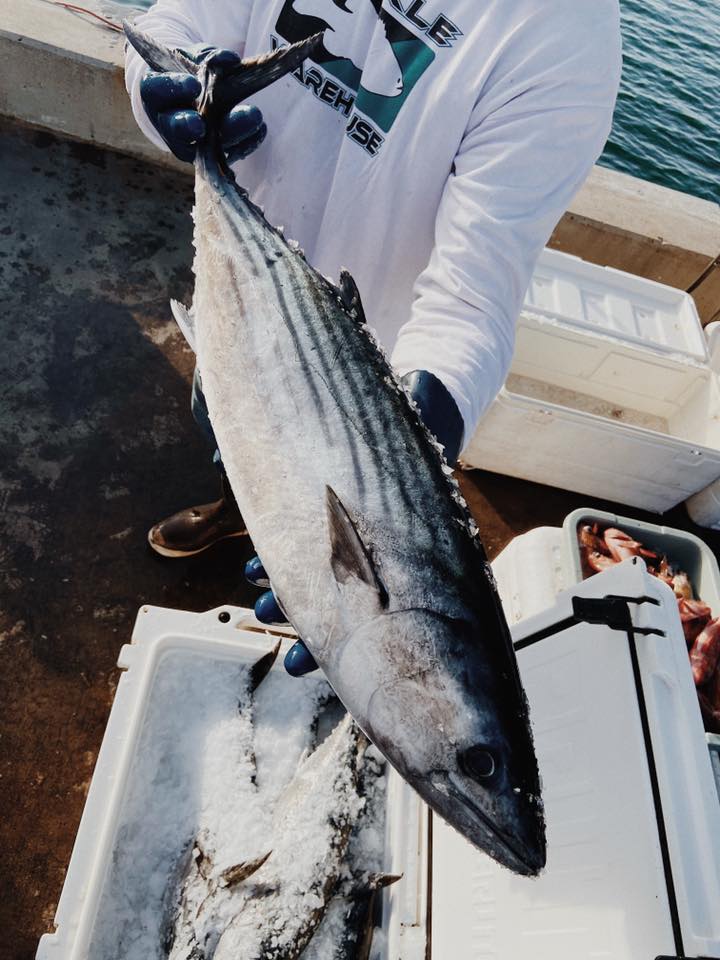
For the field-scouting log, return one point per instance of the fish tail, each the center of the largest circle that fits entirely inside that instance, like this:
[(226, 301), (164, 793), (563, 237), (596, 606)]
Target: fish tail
[(240, 80), (156, 55), (223, 84), (256, 73)]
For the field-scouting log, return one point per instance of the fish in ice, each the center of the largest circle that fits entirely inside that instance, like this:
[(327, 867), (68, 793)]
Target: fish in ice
[(350, 504), (272, 912), (348, 929), (287, 896)]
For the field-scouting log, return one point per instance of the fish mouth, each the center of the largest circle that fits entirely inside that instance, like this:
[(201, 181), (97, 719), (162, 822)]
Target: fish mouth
[(509, 851)]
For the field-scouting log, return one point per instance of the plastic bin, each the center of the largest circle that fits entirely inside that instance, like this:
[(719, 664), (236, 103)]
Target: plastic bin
[(685, 549), (633, 820), (121, 813), (611, 391), (538, 565)]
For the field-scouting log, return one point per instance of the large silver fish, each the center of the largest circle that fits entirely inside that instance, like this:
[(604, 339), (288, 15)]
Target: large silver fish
[(352, 508), (287, 897)]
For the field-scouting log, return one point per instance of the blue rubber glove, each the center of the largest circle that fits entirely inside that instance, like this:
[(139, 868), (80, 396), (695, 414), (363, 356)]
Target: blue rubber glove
[(170, 98), (440, 414)]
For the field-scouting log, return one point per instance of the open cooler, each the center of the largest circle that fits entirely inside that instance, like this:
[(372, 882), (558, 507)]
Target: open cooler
[(168, 740), (633, 817), (611, 391)]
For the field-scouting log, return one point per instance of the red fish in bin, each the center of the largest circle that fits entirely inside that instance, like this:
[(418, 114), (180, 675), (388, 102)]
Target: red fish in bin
[(603, 548)]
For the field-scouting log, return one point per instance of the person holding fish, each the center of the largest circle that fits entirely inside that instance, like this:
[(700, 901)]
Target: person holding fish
[(429, 147)]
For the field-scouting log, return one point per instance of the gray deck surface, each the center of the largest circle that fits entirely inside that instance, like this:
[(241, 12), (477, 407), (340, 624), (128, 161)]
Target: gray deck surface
[(97, 443)]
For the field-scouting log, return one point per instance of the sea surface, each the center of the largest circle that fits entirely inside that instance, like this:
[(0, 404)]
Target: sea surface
[(667, 120)]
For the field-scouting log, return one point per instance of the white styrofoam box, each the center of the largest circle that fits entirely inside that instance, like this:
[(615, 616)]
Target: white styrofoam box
[(530, 572), (704, 507), (712, 336), (535, 438), (634, 310), (684, 549), (625, 375), (603, 893), (611, 391), (160, 639), (598, 332)]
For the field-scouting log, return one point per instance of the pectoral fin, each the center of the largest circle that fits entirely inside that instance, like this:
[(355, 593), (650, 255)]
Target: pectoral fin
[(349, 557)]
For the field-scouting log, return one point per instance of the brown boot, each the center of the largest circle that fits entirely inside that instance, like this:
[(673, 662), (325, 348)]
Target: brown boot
[(195, 529)]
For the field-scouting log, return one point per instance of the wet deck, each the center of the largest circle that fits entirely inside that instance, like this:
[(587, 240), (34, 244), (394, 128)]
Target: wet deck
[(96, 443)]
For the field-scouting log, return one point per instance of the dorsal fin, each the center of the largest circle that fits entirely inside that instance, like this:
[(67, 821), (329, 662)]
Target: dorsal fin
[(349, 557), (350, 296)]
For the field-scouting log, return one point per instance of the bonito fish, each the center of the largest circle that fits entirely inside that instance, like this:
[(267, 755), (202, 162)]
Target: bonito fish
[(350, 505), (287, 896)]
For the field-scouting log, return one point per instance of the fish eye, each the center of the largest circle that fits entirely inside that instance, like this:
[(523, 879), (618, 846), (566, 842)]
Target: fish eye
[(478, 762)]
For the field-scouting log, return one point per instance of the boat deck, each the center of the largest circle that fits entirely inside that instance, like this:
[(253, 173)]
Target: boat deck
[(96, 443)]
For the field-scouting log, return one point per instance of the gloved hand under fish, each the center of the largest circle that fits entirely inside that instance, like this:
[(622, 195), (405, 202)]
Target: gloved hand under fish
[(330, 462)]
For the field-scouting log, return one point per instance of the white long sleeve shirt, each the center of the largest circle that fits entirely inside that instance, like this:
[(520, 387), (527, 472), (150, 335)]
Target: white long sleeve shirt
[(431, 150)]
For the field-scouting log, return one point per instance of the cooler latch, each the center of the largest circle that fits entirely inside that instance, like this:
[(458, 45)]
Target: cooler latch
[(611, 611)]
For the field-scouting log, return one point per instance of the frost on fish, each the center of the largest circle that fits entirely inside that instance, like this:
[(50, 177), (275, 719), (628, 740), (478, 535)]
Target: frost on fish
[(287, 897)]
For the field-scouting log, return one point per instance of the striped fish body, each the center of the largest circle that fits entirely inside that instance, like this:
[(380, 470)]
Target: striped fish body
[(358, 521)]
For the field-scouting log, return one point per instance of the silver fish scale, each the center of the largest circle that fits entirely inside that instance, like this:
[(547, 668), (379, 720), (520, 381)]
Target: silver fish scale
[(328, 399)]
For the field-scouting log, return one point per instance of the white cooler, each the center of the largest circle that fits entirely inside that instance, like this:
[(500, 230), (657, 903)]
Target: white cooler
[(120, 815), (613, 391), (633, 817)]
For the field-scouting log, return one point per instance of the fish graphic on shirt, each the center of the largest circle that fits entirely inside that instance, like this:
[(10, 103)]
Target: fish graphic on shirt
[(347, 37)]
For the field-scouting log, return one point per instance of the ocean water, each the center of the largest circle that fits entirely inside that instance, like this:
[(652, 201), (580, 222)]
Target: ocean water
[(667, 122)]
